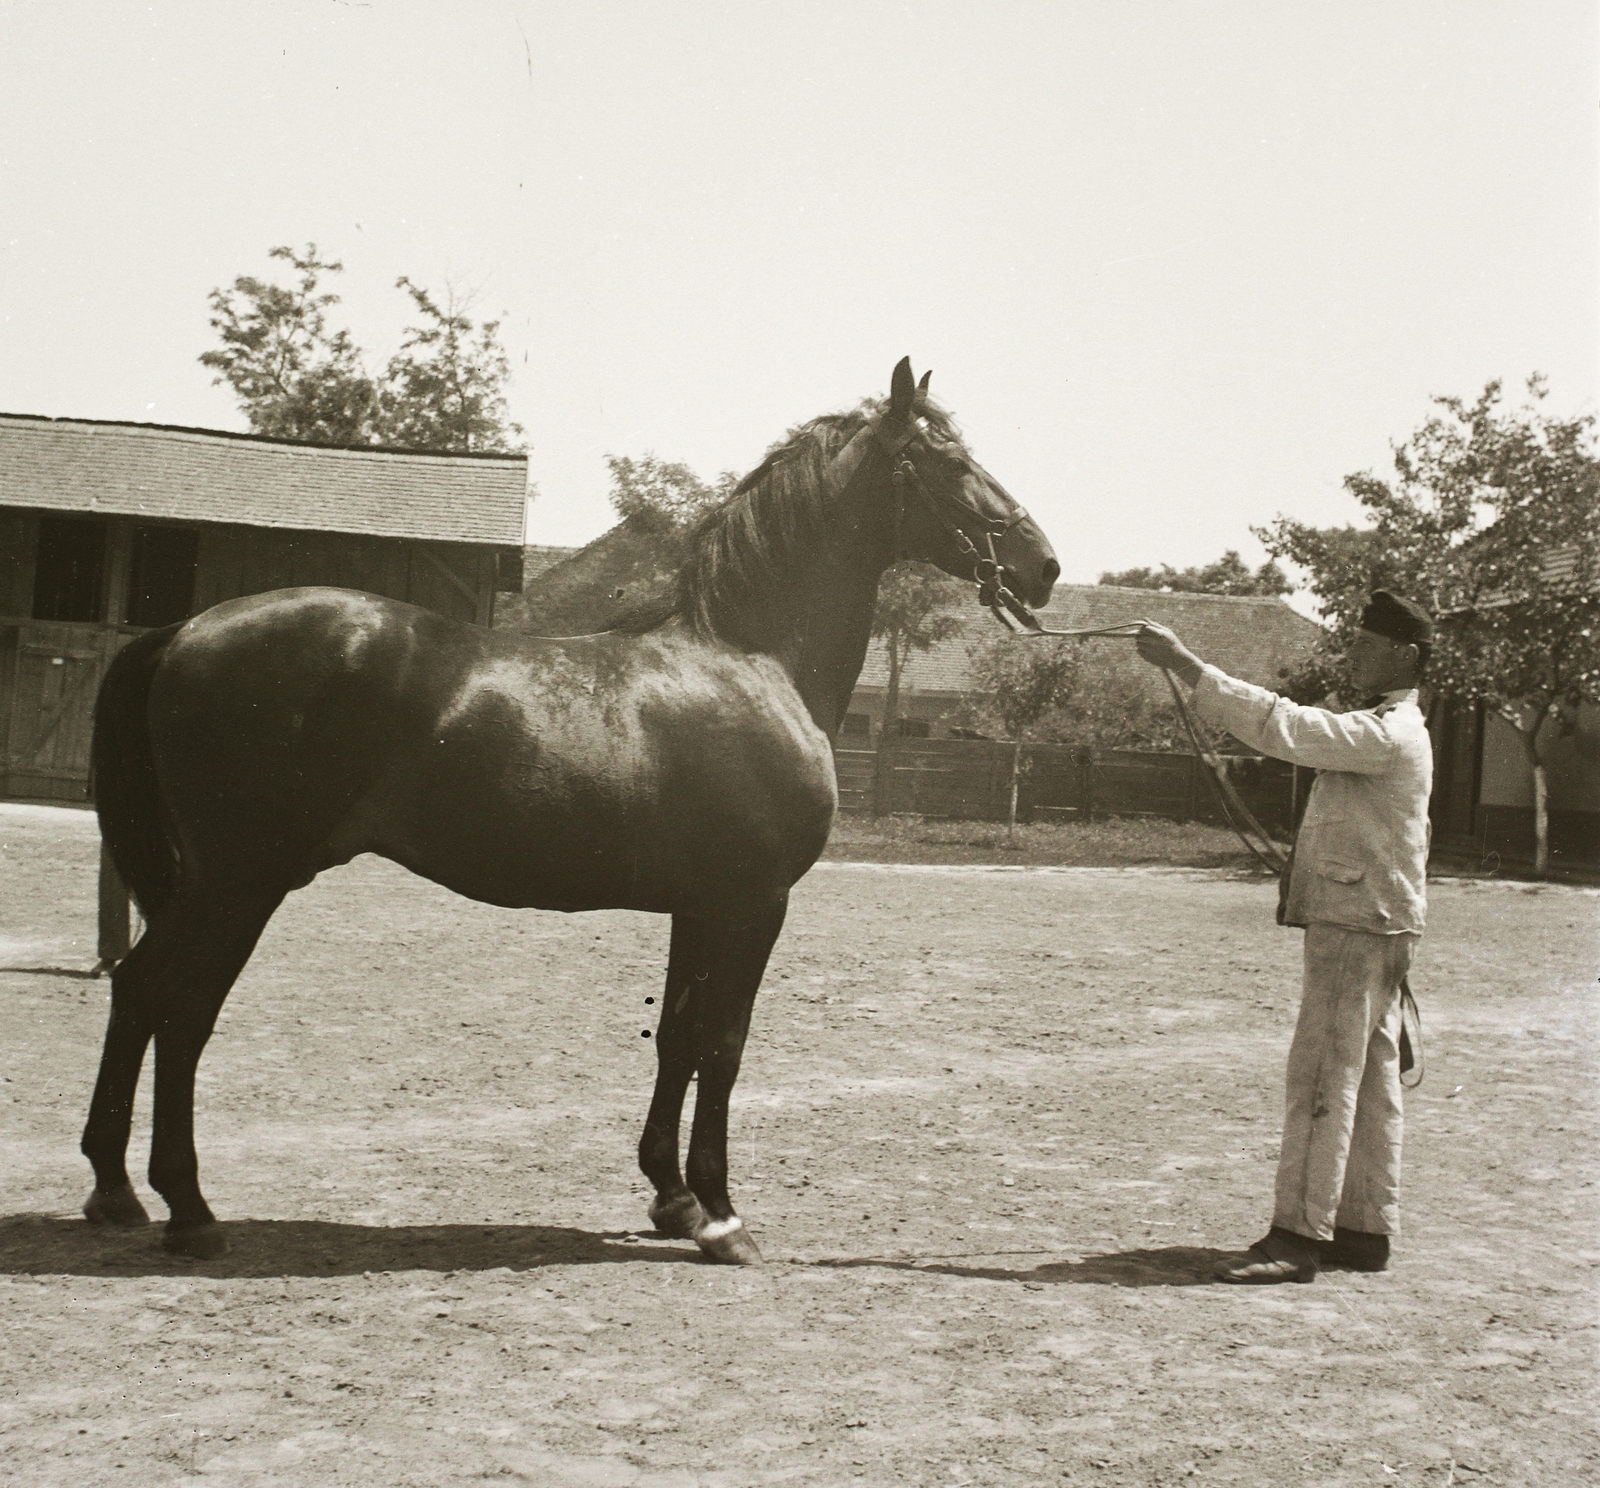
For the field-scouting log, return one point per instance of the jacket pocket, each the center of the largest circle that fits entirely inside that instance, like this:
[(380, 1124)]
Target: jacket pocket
[(1345, 873)]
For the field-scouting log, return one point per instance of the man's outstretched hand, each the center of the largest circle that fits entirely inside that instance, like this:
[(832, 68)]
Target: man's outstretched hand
[(1160, 647)]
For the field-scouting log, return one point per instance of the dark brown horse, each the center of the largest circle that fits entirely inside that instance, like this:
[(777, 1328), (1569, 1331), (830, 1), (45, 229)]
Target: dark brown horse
[(684, 769)]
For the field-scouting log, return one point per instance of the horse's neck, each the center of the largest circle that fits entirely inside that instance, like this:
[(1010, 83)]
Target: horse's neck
[(830, 638)]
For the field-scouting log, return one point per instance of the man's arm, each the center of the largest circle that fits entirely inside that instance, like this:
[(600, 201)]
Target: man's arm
[(1358, 742)]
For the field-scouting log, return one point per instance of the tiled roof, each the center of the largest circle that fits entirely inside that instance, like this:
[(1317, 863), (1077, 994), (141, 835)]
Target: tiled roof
[(1248, 637), (202, 475), (537, 557)]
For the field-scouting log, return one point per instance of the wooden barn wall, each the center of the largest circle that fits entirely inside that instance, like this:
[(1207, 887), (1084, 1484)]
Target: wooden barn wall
[(50, 672), (453, 579), (19, 531)]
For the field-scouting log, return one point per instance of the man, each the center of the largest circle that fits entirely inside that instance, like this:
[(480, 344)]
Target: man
[(1357, 883)]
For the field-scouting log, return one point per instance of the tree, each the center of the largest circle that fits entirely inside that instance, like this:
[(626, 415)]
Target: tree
[(1493, 523), (297, 379), (1228, 575), (915, 612), (1020, 683), (1119, 703), (666, 492), (1106, 700), (445, 388), (294, 378)]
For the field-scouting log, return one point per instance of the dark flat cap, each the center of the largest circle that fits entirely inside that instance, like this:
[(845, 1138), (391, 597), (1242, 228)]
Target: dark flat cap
[(1396, 618)]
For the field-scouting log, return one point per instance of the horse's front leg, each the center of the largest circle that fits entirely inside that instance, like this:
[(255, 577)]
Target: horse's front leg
[(713, 971), (674, 1210), (736, 958)]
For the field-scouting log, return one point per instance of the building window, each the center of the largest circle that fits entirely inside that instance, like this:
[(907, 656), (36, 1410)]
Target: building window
[(68, 571), (856, 725), (913, 728), (161, 584)]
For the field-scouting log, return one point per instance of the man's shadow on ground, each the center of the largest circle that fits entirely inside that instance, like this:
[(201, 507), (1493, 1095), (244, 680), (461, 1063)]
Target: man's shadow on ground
[(1166, 1266), (41, 1244)]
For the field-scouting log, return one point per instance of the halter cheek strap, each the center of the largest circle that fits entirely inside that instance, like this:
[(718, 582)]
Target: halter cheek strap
[(966, 525)]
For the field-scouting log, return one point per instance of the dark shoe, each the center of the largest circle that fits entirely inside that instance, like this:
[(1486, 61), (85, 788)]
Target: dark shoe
[(1281, 1255), (1355, 1250)]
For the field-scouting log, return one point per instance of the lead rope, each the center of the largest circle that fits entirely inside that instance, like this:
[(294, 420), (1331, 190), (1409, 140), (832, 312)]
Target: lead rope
[(1234, 811), (1020, 620)]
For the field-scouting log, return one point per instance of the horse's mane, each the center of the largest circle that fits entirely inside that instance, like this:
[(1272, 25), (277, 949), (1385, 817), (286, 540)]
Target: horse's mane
[(744, 555)]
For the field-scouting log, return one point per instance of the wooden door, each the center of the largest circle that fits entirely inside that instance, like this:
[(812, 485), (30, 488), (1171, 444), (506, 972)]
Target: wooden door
[(55, 674)]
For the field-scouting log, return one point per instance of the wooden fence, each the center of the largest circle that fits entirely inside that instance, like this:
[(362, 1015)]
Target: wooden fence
[(970, 779)]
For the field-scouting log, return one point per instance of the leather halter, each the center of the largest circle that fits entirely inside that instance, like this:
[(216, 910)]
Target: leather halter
[(967, 526), (964, 523)]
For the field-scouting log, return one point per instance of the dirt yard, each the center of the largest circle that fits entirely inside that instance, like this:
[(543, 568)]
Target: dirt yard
[(993, 1130)]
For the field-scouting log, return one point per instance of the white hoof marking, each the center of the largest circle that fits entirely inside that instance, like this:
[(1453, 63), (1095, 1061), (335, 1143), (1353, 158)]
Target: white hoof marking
[(715, 1229)]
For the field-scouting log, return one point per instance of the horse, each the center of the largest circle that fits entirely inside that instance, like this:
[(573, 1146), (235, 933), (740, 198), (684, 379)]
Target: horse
[(682, 766)]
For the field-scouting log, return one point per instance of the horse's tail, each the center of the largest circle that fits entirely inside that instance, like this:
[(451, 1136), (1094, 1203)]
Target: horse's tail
[(122, 774)]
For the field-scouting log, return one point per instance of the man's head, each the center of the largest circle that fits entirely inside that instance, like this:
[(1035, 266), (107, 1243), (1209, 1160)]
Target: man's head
[(1391, 649)]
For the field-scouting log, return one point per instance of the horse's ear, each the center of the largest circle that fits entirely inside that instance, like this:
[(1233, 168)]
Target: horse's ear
[(921, 399), (901, 391)]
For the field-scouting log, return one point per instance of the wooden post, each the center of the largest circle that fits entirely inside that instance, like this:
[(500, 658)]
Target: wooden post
[(113, 940)]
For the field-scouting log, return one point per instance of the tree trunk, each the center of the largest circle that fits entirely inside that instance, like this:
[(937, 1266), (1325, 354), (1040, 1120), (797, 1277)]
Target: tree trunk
[(888, 735), (1011, 806), (1541, 821), (1541, 784)]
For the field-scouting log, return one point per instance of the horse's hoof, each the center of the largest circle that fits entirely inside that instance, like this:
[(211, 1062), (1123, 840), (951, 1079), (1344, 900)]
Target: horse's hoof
[(677, 1218), (728, 1242), (201, 1242), (117, 1206)]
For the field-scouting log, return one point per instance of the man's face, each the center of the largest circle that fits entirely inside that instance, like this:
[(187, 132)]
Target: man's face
[(1378, 664)]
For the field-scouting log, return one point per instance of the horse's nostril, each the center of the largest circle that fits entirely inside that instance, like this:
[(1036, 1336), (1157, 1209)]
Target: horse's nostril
[(1051, 571)]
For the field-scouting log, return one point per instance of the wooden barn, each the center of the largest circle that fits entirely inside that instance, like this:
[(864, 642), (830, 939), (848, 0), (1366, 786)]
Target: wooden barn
[(110, 529)]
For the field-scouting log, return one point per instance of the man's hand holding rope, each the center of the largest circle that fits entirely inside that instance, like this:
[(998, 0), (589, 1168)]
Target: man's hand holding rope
[(1161, 647)]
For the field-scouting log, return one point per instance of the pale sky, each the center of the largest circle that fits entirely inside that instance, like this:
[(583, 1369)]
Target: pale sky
[(1176, 267)]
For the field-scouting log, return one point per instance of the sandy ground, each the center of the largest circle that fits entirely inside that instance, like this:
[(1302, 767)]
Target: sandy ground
[(993, 1130)]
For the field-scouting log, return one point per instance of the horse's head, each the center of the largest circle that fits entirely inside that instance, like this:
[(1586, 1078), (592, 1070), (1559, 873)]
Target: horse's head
[(948, 510)]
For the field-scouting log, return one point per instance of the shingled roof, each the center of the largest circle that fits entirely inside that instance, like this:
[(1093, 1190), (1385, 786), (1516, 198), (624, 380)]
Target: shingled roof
[(206, 475), (1251, 637)]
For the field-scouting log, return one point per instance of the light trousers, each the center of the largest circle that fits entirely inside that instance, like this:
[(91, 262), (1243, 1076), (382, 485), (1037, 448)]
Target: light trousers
[(1343, 1120)]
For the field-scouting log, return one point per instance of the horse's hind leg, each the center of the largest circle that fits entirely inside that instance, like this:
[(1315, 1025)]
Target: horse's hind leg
[(105, 1135), (192, 955), (135, 983), (724, 960)]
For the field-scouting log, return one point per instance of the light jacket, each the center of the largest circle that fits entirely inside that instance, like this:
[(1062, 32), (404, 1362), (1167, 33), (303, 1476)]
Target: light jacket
[(1361, 857)]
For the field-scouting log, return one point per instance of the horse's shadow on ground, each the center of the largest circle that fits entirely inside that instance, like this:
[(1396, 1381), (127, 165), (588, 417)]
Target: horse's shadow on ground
[(40, 1244), (73, 973), (43, 1245)]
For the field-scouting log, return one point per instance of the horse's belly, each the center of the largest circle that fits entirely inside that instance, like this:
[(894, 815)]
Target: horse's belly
[(674, 852), (594, 805)]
